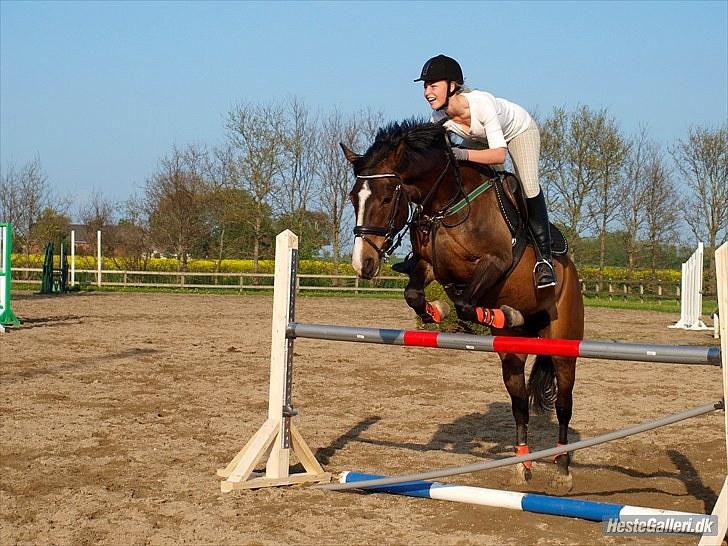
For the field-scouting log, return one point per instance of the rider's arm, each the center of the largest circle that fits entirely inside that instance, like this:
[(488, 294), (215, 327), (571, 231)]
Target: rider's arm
[(495, 156)]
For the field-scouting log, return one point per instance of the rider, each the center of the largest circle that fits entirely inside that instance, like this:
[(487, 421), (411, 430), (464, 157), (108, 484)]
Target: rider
[(481, 128)]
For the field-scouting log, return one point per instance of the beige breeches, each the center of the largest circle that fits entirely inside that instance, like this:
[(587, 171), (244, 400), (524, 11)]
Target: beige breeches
[(524, 151)]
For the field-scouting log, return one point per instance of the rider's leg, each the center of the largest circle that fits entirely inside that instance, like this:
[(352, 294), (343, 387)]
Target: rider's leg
[(524, 151), (538, 222)]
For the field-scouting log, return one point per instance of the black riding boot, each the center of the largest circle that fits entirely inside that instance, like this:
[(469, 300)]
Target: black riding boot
[(538, 220), (407, 266)]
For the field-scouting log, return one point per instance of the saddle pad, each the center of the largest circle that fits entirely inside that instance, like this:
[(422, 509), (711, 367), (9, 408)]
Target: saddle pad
[(559, 244)]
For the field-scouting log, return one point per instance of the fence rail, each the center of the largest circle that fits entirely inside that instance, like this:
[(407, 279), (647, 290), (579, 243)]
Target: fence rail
[(335, 283)]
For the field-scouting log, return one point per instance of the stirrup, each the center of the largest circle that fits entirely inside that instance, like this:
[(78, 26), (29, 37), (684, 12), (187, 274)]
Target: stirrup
[(544, 281)]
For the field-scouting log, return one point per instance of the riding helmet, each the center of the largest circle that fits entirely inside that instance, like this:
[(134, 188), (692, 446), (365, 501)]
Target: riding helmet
[(441, 68)]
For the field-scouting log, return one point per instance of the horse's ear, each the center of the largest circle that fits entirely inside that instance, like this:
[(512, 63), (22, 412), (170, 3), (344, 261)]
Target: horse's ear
[(350, 155)]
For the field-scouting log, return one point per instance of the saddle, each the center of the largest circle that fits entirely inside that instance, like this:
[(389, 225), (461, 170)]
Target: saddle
[(512, 204)]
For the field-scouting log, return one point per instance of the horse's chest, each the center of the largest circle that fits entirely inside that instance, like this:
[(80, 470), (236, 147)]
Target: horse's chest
[(452, 263)]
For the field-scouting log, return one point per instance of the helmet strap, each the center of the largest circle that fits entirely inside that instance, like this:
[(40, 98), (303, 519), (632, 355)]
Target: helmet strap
[(447, 97)]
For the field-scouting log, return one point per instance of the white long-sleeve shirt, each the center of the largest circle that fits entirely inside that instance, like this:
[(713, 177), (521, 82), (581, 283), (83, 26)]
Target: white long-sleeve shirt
[(493, 121)]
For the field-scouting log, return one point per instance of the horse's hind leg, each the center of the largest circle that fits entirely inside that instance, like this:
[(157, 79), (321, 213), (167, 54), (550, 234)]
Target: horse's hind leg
[(565, 370), (513, 366)]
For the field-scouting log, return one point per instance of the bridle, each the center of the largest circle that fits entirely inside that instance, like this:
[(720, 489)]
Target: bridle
[(390, 231), (391, 240)]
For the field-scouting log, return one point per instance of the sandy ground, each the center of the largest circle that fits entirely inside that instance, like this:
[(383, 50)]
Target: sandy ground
[(117, 409)]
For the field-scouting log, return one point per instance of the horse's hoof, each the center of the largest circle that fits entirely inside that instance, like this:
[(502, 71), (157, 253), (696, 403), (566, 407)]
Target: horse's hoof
[(521, 474), (514, 318), (563, 483), (438, 310)]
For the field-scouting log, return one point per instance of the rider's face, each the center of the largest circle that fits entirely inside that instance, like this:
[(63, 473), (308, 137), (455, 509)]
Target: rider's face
[(436, 93)]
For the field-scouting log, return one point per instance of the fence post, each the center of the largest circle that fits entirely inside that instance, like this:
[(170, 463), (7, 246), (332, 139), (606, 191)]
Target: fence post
[(98, 258), (73, 257)]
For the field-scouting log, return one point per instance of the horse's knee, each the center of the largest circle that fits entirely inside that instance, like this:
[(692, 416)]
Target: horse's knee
[(415, 298), (465, 311)]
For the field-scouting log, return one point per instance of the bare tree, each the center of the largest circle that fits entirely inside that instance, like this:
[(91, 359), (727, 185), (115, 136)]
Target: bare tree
[(630, 210), (98, 214), (334, 171), (256, 134), (299, 156), (702, 160), (24, 195), (612, 150), (570, 166), (134, 244), (661, 206), (174, 202)]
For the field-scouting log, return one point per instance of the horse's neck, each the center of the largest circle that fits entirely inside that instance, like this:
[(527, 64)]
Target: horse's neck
[(449, 190)]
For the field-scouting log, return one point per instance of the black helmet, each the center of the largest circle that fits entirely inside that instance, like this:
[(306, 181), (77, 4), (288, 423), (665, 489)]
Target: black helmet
[(441, 68)]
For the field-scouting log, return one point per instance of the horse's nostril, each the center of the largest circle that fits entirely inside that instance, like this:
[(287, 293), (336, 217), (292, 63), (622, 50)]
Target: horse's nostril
[(370, 267)]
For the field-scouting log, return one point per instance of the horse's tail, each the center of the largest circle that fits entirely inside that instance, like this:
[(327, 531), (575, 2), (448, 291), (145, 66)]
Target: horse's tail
[(542, 385)]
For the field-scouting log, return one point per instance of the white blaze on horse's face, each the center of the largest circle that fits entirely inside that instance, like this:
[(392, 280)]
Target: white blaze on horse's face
[(357, 256)]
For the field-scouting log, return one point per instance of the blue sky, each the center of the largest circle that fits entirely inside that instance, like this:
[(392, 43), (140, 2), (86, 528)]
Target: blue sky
[(99, 91)]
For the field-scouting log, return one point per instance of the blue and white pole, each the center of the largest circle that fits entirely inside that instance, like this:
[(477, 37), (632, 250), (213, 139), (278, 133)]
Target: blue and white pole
[(525, 502)]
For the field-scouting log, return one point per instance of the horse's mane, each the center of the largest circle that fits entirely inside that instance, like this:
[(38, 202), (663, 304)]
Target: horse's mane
[(419, 136)]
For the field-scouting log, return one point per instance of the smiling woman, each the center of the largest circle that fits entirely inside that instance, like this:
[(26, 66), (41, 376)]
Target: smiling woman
[(481, 128)]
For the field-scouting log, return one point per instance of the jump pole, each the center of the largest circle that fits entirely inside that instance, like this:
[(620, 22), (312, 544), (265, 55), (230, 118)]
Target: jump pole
[(491, 344), (278, 436), (525, 502), (7, 317)]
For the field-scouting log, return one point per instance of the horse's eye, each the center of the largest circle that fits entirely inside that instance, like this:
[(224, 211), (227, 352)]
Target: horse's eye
[(386, 200)]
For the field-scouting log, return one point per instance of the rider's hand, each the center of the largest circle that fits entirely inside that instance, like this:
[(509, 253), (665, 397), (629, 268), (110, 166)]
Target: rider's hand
[(461, 154)]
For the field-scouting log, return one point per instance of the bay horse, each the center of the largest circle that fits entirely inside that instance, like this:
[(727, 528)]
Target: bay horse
[(461, 239)]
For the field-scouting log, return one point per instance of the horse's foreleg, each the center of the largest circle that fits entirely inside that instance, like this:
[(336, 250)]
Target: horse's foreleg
[(414, 294), (515, 381)]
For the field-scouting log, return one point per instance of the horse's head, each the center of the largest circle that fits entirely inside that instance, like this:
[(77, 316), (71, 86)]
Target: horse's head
[(388, 178)]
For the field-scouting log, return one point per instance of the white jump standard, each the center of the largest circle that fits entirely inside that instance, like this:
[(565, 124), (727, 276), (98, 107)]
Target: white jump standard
[(691, 293)]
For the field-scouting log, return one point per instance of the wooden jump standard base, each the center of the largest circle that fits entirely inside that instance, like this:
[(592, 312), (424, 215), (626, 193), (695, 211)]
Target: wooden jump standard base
[(275, 440)]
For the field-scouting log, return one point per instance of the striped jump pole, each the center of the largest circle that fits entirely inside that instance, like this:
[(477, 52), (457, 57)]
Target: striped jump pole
[(525, 502), (505, 344)]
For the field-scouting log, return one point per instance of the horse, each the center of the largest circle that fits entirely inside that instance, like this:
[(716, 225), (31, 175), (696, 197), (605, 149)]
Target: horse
[(409, 178)]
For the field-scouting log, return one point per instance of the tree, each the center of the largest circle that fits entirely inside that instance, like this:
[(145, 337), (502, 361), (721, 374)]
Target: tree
[(630, 208), (298, 173), (24, 195), (97, 214), (612, 150), (702, 160), (313, 230), (133, 243), (571, 167), (257, 139), (174, 202), (661, 207), (334, 171), (50, 227)]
